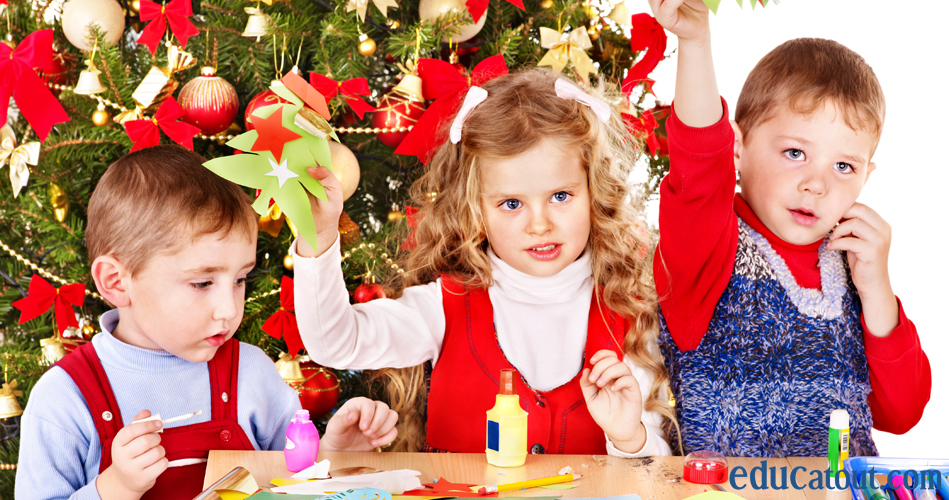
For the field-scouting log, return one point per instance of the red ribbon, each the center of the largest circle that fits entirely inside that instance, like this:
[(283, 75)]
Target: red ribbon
[(41, 296), (18, 79), (477, 7), (144, 133), (349, 89), (644, 124), (648, 35), (283, 323), (411, 214), (442, 81), (175, 13)]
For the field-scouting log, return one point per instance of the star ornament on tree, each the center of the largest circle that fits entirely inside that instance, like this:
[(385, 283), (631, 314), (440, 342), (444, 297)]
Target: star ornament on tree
[(283, 323), (42, 296), (277, 154), (174, 14)]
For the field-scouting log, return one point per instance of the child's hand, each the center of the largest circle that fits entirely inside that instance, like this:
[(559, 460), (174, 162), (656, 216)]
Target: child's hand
[(865, 236), (325, 213), (360, 425), (686, 19), (137, 460), (615, 403)]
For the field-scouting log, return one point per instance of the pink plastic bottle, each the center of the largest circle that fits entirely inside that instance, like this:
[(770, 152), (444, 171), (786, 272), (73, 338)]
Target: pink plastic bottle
[(303, 442)]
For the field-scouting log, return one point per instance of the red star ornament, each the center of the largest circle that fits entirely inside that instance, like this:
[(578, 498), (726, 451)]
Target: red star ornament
[(283, 323), (41, 296), (271, 134), (144, 133)]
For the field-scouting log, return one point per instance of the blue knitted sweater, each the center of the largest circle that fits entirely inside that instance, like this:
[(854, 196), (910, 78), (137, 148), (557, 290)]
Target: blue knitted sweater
[(776, 360)]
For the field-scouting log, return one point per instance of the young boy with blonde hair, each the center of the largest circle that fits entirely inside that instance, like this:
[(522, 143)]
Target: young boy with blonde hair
[(171, 245), (776, 304)]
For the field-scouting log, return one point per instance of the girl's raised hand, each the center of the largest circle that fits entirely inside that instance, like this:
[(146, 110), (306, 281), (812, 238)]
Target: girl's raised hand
[(614, 400), (325, 213), (686, 19)]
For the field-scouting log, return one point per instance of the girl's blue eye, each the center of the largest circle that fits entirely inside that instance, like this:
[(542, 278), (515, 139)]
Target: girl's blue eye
[(560, 197), (203, 285), (844, 168), (511, 204), (794, 154)]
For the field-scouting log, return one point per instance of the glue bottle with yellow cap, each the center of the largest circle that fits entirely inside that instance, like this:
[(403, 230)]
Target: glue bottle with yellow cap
[(507, 426)]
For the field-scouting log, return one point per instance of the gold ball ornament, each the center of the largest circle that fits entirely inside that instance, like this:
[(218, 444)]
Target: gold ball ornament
[(100, 117), (367, 46), (433, 9), (546, 4), (135, 6), (288, 261), (345, 168), (59, 201), (79, 14), (395, 215)]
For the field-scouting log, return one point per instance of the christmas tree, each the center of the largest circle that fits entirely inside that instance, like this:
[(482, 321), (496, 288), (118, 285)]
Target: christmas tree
[(89, 80)]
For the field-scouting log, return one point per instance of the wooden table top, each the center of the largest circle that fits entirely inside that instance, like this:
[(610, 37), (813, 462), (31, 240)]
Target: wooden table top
[(657, 478)]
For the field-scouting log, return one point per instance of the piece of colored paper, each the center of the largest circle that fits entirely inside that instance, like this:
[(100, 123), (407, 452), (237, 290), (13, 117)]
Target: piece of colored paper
[(396, 482), (715, 495), (266, 495), (319, 470), (559, 486), (360, 494), (713, 5), (231, 494)]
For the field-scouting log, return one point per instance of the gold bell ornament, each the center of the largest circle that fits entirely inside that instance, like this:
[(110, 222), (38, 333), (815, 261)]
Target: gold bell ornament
[(289, 369), (9, 407), (256, 24), (59, 201), (89, 83), (53, 349)]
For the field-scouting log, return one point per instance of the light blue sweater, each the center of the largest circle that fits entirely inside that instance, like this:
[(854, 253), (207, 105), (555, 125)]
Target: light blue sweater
[(59, 446)]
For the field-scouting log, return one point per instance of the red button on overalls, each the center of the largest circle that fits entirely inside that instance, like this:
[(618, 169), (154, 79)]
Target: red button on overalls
[(225, 435)]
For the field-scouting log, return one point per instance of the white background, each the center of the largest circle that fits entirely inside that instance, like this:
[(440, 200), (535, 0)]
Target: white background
[(906, 44)]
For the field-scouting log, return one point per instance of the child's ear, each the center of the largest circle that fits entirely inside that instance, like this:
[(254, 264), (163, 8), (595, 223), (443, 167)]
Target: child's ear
[(870, 168), (738, 145), (108, 274)]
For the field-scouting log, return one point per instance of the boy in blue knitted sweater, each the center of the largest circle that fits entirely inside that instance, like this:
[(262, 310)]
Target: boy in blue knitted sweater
[(776, 301), (171, 245)]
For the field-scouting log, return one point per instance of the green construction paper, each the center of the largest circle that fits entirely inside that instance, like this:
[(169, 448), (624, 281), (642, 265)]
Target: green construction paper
[(562, 486), (713, 5), (282, 91), (247, 169)]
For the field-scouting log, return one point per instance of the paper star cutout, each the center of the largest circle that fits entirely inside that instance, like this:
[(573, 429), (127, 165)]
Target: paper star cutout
[(445, 486), (271, 134), (281, 172)]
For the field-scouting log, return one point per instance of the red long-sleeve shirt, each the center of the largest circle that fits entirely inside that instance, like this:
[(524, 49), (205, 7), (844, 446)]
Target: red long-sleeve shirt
[(698, 227)]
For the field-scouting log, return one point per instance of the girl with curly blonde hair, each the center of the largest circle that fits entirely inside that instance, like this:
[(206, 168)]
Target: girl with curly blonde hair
[(528, 256)]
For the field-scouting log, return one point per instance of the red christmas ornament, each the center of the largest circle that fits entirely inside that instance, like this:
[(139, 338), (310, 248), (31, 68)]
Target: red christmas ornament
[(175, 14), (55, 74), (41, 296), (209, 101), (368, 291), (649, 36), (350, 90), (144, 133), (265, 98), (394, 111), (320, 389), (19, 80)]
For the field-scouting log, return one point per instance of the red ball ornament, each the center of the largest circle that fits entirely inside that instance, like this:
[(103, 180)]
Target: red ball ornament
[(265, 98), (209, 102), (396, 111), (368, 291), (320, 389), (56, 74)]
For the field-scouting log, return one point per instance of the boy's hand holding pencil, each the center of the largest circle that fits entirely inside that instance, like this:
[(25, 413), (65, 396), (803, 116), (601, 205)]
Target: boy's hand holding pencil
[(137, 460)]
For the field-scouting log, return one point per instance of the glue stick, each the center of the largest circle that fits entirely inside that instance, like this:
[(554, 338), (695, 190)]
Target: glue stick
[(838, 440), (507, 426)]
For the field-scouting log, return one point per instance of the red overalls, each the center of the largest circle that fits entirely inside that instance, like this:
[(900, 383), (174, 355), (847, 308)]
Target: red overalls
[(464, 382), (187, 441)]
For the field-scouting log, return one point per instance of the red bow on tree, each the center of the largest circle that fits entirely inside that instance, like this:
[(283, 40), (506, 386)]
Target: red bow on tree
[(283, 323), (644, 124), (648, 35), (349, 89), (144, 133), (411, 218), (41, 296), (477, 7), (18, 79), (442, 81), (175, 13)]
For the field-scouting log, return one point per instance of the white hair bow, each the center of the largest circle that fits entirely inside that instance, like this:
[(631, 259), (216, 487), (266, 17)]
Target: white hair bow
[(475, 96), (566, 90)]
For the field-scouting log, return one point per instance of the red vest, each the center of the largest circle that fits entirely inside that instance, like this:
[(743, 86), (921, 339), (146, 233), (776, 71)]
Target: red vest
[(187, 441), (464, 382)]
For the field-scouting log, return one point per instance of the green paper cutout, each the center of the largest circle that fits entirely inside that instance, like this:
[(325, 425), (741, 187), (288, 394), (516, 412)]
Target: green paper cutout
[(713, 5), (562, 486)]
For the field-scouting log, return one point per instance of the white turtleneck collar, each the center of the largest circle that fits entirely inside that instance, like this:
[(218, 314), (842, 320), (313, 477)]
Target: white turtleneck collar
[(557, 289)]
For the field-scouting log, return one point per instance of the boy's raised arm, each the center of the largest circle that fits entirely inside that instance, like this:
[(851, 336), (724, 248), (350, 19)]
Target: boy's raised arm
[(697, 101)]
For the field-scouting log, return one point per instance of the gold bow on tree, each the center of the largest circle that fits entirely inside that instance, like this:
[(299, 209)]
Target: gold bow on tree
[(360, 6), (19, 157), (567, 48)]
